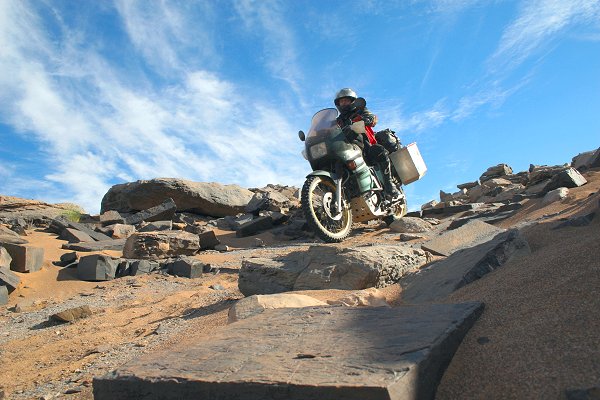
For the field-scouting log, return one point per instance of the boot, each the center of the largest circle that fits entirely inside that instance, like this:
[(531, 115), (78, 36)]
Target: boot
[(388, 186)]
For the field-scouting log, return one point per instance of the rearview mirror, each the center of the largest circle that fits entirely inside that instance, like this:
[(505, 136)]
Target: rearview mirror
[(302, 136)]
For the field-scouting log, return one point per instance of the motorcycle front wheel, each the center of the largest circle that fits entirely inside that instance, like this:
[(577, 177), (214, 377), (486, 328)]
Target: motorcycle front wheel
[(318, 201)]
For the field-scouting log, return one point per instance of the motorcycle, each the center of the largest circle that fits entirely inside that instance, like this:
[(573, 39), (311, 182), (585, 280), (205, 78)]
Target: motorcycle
[(343, 189)]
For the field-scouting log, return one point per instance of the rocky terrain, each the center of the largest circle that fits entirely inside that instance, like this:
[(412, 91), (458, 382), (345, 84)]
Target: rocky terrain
[(170, 264)]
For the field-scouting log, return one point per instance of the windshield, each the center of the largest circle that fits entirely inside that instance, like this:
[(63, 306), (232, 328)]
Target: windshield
[(323, 123)]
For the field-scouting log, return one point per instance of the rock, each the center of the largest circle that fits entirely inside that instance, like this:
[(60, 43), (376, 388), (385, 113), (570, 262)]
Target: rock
[(583, 220), (157, 245), (208, 240), (256, 304), (196, 197), (537, 189), (68, 259), (3, 295), (539, 173), (451, 209), (584, 161), (555, 195), (468, 235), (121, 231), (110, 244), (410, 225), (25, 258), (277, 217), (568, 178), (142, 267), (407, 237), (163, 211), (223, 248), (327, 267), (267, 200), (416, 214), (9, 279), (97, 267), (255, 226), (186, 267), (72, 314), (111, 217), (445, 276), (305, 353), (370, 297), (156, 226), (33, 209), (495, 172), (467, 185), (60, 224), (5, 258), (266, 276), (591, 393), (74, 236), (429, 204)]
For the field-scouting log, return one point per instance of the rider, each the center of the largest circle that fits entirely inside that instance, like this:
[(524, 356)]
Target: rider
[(374, 152)]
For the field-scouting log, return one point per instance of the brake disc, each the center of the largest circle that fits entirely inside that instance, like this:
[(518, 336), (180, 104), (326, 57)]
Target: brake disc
[(328, 204)]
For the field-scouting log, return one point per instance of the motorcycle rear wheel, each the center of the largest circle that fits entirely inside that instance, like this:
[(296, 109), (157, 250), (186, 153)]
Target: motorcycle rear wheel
[(317, 199), (400, 210)]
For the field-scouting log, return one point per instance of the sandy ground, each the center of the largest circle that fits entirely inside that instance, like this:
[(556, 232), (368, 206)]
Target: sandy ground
[(537, 336)]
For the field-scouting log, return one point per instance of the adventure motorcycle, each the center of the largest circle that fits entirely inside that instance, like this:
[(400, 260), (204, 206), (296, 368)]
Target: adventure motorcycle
[(342, 188)]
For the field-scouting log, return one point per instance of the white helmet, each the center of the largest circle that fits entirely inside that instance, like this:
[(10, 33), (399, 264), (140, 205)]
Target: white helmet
[(345, 92)]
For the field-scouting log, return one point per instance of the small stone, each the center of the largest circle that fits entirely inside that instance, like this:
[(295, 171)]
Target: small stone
[(223, 248), (217, 287), (72, 314), (483, 340)]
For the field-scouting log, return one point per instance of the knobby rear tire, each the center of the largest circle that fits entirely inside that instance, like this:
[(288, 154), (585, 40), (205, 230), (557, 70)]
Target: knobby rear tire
[(329, 230)]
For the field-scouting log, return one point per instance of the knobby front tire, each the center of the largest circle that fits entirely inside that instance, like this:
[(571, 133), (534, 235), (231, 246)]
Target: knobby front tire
[(314, 207)]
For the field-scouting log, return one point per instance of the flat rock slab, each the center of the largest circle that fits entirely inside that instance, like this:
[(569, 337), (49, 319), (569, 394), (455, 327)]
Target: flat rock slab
[(305, 353), (463, 267), (112, 244), (330, 267), (470, 234)]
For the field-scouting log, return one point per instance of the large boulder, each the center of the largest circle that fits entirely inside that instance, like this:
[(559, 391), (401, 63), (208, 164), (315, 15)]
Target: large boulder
[(204, 198), (328, 267)]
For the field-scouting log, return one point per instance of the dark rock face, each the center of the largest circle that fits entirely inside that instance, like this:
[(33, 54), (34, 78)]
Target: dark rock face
[(196, 197), (305, 353), (9, 279), (25, 258), (97, 267)]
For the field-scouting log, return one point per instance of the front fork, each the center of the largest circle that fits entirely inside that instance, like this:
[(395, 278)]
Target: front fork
[(339, 174)]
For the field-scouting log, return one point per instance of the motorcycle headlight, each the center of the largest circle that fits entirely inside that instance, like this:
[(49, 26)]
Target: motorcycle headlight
[(318, 150)]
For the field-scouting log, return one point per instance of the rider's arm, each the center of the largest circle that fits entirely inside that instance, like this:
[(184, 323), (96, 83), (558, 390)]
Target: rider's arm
[(369, 118)]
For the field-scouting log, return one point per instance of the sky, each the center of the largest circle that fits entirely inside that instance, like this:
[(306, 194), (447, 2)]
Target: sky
[(94, 94)]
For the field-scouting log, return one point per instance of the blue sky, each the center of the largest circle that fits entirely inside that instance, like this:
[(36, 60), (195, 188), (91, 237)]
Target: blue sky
[(98, 93)]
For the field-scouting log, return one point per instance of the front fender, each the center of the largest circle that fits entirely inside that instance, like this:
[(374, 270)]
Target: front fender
[(321, 172)]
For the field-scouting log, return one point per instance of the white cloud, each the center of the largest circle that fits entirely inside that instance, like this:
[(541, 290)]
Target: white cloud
[(161, 32), (539, 21), (97, 128), (265, 20)]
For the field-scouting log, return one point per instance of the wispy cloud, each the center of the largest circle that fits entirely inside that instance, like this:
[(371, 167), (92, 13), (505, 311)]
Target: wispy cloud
[(165, 31), (266, 20), (538, 22), (97, 128)]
